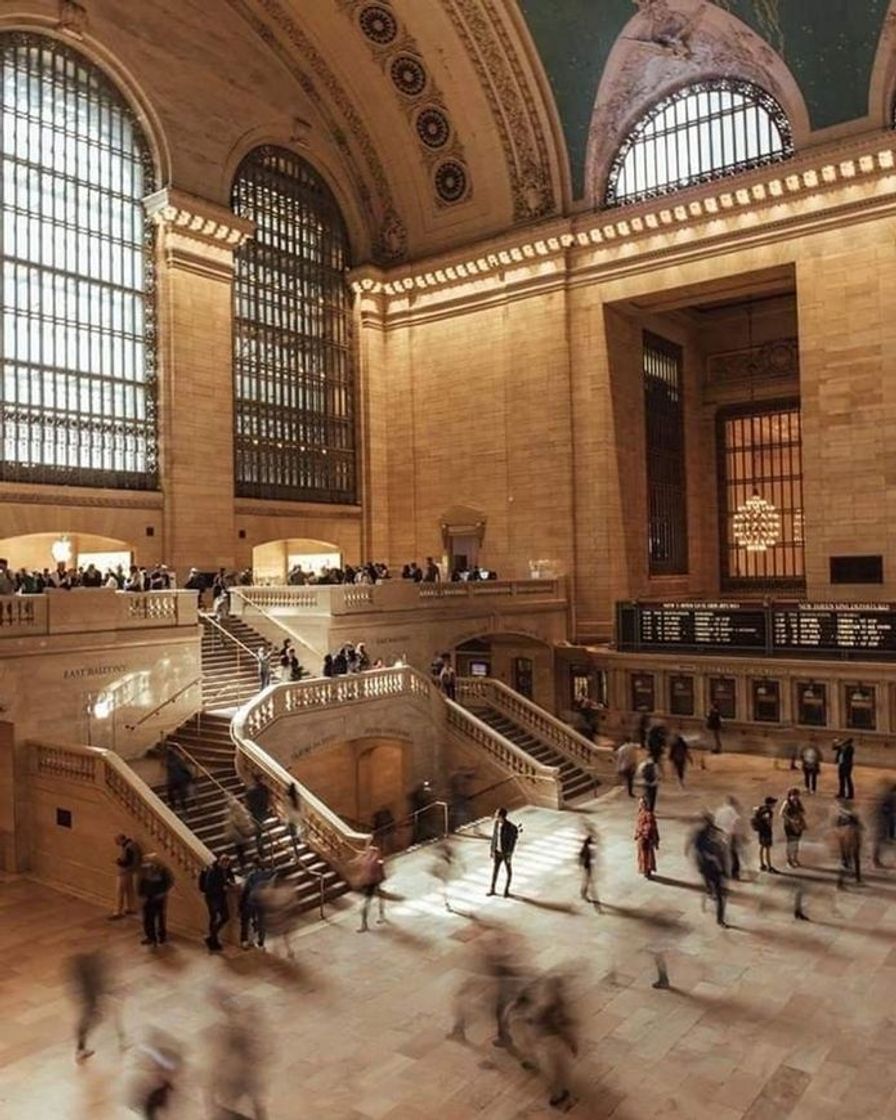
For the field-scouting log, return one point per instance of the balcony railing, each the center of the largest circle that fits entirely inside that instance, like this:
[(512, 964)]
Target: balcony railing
[(87, 610)]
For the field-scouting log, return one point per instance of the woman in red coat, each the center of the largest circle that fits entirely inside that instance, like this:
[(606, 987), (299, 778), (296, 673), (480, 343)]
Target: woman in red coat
[(647, 839)]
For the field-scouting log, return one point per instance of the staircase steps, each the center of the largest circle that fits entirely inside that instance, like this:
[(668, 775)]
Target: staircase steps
[(576, 782), (229, 672)]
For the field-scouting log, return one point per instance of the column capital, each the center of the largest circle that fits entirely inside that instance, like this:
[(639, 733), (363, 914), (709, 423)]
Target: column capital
[(197, 218)]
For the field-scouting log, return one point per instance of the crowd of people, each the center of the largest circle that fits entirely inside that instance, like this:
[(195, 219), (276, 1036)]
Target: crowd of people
[(33, 581)]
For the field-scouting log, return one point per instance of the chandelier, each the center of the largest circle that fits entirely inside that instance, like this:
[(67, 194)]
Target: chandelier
[(756, 524)]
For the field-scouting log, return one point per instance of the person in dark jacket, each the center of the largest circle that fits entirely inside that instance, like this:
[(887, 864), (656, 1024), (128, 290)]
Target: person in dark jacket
[(844, 754), (177, 779), (680, 756), (251, 912), (127, 865), (503, 843), (711, 856), (214, 882), (714, 725), (153, 884), (258, 802), (762, 823)]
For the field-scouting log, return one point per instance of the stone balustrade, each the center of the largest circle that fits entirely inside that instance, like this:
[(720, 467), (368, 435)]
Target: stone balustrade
[(546, 727), (403, 595), (90, 610)]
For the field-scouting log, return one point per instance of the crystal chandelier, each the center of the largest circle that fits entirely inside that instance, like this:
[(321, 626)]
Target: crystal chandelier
[(756, 524)]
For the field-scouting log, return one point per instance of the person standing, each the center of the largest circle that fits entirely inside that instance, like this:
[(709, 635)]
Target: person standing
[(810, 760), (627, 764), (762, 822), (127, 863), (680, 756), (503, 842), (258, 802), (714, 726), (263, 661), (729, 820), (214, 882), (793, 817), (153, 885), (448, 681), (647, 838), (844, 754)]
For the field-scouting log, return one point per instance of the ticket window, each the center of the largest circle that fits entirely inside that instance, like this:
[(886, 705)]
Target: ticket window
[(766, 701), (581, 683), (681, 695), (643, 694), (811, 704), (723, 693), (860, 707)]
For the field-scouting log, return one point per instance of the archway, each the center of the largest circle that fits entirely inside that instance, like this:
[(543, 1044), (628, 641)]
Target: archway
[(273, 561), (36, 551), (521, 661)]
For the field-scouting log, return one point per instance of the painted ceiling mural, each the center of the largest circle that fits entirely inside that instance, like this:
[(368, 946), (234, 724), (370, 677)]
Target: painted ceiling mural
[(829, 46)]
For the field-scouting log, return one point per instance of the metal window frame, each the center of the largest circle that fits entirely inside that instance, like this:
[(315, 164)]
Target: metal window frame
[(88, 434), (662, 365), (294, 377), (756, 98), (789, 574)]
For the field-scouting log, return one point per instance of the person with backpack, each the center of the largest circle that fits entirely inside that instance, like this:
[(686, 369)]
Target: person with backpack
[(214, 882), (793, 817), (810, 760), (762, 823), (127, 864)]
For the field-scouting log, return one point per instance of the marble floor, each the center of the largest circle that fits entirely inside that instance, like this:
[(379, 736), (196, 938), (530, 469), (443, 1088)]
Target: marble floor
[(767, 1020)]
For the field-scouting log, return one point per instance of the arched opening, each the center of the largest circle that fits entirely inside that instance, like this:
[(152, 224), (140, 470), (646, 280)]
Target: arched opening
[(292, 560), (524, 663), (36, 551)]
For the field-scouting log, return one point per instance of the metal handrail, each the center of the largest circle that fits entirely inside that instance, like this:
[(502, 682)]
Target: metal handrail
[(233, 638), (163, 704), (276, 622), (412, 816), (183, 750)]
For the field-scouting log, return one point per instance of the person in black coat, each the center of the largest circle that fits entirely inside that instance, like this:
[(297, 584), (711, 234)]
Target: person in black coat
[(504, 837), (844, 753), (214, 882), (153, 885)]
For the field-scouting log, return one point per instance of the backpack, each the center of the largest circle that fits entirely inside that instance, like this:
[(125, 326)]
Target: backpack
[(756, 819)]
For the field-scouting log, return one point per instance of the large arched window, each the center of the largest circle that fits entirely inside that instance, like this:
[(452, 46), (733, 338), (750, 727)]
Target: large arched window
[(77, 402), (293, 370), (704, 131)]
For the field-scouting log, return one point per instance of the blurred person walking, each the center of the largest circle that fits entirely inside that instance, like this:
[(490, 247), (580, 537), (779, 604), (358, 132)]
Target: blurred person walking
[(647, 779), (239, 1050), (708, 846), (258, 802), (89, 976), (588, 865), (371, 875), (810, 761), (251, 912), (158, 1064), (848, 830), (153, 885), (647, 838), (680, 756), (238, 828), (292, 813), (627, 764), (884, 822), (730, 821), (550, 1031), (445, 866)]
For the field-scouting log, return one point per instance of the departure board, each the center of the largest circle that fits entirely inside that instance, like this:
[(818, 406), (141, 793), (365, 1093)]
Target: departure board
[(839, 630)]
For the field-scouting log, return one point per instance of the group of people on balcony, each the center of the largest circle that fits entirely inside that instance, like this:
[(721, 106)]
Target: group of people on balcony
[(350, 659), (35, 581)]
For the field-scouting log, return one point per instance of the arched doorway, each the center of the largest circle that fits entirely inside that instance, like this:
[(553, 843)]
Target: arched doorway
[(273, 561), (36, 551)]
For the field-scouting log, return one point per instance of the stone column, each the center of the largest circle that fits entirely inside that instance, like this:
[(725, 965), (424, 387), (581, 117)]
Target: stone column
[(197, 240)]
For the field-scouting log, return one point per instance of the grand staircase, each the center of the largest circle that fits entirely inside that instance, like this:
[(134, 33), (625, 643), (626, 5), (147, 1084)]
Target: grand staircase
[(229, 679), (576, 782)]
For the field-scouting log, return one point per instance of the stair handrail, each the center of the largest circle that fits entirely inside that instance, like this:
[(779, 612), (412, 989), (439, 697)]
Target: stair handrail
[(164, 703), (195, 762), (324, 830), (566, 740), (105, 769), (247, 603), (227, 634)]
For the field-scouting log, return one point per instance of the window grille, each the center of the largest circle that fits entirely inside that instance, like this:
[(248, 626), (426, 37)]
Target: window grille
[(760, 449), (78, 396), (702, 132), (667, 527), (294, 382)]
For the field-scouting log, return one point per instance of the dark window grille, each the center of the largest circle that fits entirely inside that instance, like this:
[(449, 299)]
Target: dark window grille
[(78, 397), (760, 449), (705, 131), (294, 381), (667, 526)]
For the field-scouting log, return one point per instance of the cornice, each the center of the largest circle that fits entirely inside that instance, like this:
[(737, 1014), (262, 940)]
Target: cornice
[(675, 225), (197, 219), (251, 507), (144, 500)]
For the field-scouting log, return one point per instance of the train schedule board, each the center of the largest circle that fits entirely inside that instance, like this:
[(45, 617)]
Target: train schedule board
[(693, 627), (836, 628)]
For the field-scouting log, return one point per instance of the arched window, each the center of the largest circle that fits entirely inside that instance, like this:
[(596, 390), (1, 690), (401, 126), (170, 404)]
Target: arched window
[(294, 377), (704, 131), (77, 402)]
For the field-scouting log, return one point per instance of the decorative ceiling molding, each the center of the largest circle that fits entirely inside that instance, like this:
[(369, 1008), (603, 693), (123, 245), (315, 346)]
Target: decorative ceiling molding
[(779, 358), (508, 90), (399, 57), (748, 195), (146, 501), (388, 232), (197, 218)]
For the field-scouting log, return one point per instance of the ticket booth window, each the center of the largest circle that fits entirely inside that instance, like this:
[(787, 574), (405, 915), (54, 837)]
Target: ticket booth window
[(681, 695), (722, 693), (581, 683), (811, 704), (643, 696), (766, 701), (861, 712)]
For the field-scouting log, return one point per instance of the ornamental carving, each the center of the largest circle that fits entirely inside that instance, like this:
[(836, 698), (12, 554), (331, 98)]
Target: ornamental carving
[(507, 89), (770, 361), (379, 206), (398, 54)]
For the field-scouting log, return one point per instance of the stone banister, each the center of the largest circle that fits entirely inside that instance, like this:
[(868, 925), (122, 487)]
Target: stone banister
[(92, 610), (551, 730), (106, 771)]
